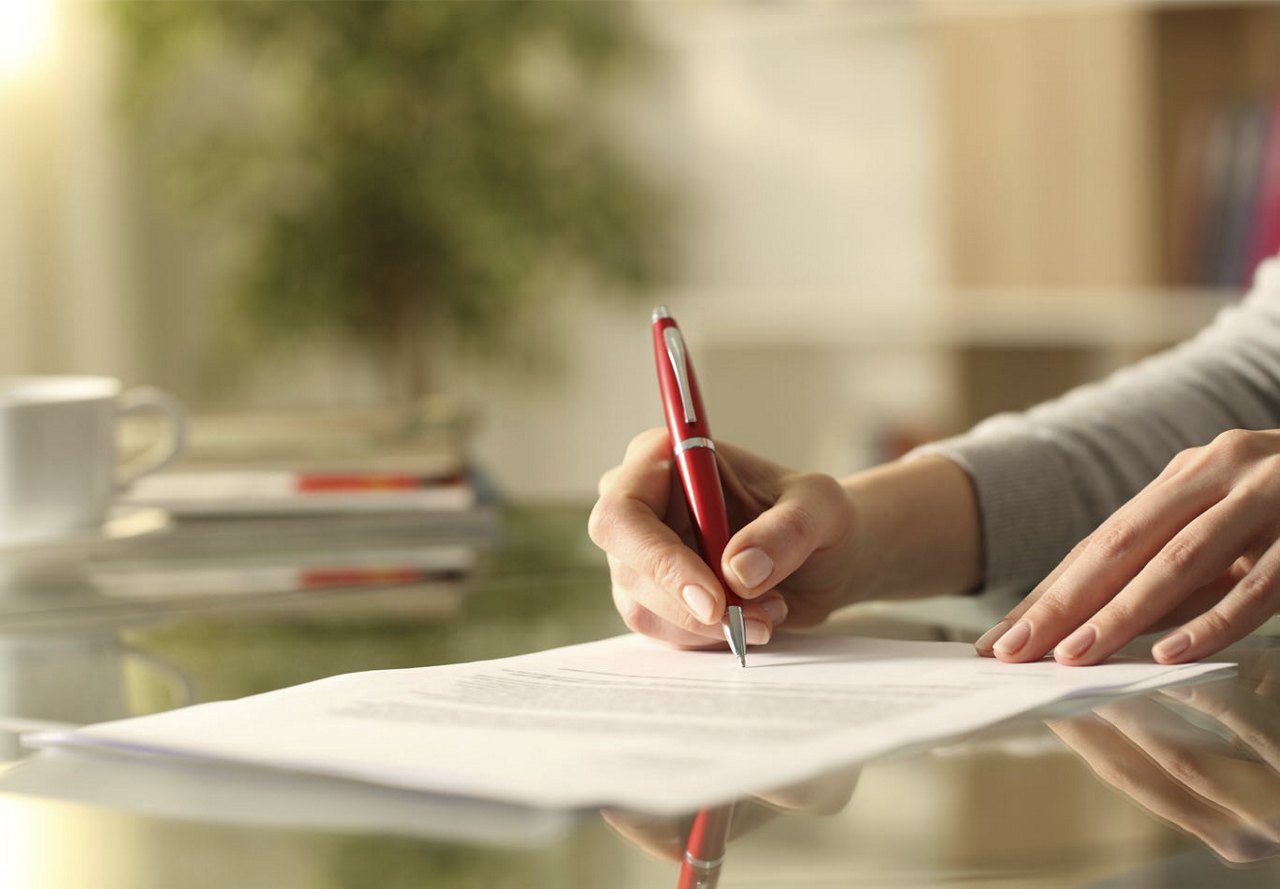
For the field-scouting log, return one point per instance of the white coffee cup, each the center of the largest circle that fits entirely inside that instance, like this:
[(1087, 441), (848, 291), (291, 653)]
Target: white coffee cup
[(59, 467)]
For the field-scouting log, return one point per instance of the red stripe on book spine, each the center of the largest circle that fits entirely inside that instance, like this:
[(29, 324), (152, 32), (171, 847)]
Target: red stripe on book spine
[(330, 577), (311, 483)]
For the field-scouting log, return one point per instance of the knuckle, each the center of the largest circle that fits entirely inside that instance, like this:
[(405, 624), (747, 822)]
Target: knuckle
[(1256, 588), (602, 521), (825, 488), (1214, 625), (1121, 617), (1186, 769), (664, 568), (624, 576), (1198, 460), (637, 618), (793, 522), (1113, 540), (1182, 458), (1120, 773), (1051, 608), (1180, 555), (606, 481), (1252, 499), (1234, 444)]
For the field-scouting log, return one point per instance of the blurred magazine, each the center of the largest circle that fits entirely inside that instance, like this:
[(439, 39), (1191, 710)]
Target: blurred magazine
[(408, 580), (244, 492)]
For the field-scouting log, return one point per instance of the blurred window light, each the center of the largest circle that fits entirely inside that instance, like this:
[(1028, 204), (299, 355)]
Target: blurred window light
[(26, 27)]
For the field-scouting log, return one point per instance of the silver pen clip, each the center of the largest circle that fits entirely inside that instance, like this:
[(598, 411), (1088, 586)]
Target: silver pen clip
[(680, 364)]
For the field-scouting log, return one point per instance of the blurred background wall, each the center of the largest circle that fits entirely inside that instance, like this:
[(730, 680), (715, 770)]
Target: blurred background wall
[(887, 220)]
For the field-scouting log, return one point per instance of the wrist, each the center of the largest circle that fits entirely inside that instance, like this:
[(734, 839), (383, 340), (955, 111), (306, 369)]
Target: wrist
[(915, 530)]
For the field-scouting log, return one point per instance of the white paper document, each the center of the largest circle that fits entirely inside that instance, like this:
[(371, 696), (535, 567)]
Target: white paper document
[(623, 722)]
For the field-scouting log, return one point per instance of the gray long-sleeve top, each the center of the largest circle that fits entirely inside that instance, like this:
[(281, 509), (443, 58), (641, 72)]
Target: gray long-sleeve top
[(1047, 477)]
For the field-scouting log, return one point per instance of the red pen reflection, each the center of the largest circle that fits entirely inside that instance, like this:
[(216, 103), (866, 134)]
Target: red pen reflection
[(705, 848)]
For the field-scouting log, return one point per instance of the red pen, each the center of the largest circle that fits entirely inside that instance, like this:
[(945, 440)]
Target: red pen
[(695, 456), (704, 850)]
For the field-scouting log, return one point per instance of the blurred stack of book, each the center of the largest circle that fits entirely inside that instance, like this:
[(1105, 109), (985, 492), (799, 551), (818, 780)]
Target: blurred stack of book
[(1225, 205), (293, 508)]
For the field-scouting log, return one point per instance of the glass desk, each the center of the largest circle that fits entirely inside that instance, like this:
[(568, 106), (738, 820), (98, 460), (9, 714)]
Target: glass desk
[(1171, 789)]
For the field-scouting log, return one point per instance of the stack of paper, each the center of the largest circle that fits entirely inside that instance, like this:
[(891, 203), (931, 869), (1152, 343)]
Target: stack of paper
[(624, 721)]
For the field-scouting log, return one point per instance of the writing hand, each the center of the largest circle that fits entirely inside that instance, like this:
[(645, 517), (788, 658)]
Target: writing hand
[(1199, 547), (790, 561)]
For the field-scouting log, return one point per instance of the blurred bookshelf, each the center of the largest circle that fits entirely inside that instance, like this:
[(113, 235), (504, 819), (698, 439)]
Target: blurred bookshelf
[(1072, 205), (1111, 179)]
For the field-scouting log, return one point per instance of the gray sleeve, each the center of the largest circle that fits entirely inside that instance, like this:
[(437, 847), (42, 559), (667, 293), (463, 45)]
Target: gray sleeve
[(1047, 477)]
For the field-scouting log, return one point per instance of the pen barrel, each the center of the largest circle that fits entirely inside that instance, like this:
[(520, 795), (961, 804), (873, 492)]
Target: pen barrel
[(700, 478), (676, 400), (705, 848)]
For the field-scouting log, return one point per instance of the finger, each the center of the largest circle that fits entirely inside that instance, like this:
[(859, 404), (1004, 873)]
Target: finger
[(811, 514), (820, 796), (1119, 764), (646, 610), (1195, 556), (985, 643), (645, 473), (1259, 668), (1112, 557), (1197, 602), (631, 533), (1201, 761), (1251, 601), (1183, 748), (1254, 720), (643, 620), (659, 836)]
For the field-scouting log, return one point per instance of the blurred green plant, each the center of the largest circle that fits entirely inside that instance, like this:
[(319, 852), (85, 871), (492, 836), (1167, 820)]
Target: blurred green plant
[(403, 175)]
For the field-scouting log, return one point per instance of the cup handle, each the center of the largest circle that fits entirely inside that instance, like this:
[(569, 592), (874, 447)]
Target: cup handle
[(163, 452), (180, 687)]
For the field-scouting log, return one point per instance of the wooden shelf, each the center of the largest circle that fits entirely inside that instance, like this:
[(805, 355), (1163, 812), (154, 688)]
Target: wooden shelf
[(1130, 319)]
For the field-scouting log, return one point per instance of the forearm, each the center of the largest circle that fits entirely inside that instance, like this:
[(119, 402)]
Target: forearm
[(916, 530), (1047, 477)]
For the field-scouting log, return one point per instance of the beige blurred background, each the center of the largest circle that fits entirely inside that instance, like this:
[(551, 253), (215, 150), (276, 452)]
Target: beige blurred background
[(892, 219)]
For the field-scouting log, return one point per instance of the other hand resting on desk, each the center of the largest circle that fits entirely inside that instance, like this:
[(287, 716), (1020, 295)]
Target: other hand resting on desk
[(1199, 546)]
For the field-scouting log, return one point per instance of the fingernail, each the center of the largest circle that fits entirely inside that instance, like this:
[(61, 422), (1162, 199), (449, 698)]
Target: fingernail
[(987, 639), (752, 566), (1172, 645), (1077, 643), (776, 609), (757, 632), (1012, 641), (700, 602)]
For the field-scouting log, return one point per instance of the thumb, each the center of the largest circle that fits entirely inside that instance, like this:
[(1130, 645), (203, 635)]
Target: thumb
[(812, 513)]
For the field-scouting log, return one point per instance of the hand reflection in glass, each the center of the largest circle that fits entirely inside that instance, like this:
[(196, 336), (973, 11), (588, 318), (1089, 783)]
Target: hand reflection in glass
[(1205, 758), (665, 837)]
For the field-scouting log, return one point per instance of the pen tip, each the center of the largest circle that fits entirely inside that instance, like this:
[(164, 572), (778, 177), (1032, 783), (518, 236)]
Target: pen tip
[(735, 633)]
